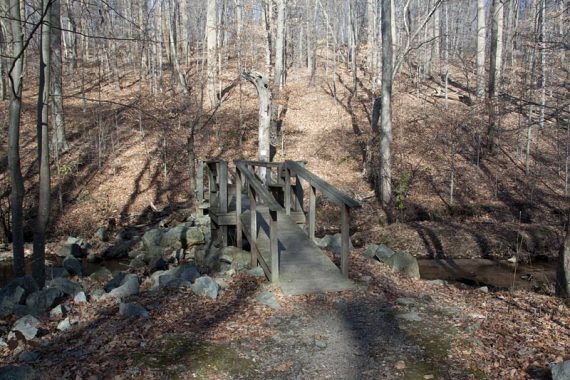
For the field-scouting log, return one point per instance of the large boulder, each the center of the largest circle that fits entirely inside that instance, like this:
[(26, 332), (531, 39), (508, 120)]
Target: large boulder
[(73, 265), (129, 286), (174, 237), (133, 309), (115, 282), (55, 272), (194, 236), (152, 238), (187, 272), (560, 371), (401, 262), (43, 300), (28, 326), (101, 275), (238, 258), (66, 286), (206, 286), (14, 372), (332, 243), (71, 250), (10, 295)]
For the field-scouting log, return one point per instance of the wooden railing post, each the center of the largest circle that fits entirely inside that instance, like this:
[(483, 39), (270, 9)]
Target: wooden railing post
[(223, 198), (253, 224), (298, 194), (199, 190), (274, 246), (287, 190), (239, 235), (345, 239), (312, 211)]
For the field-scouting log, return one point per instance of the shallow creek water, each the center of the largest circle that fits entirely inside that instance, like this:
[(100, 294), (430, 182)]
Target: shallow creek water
[(497, 274)]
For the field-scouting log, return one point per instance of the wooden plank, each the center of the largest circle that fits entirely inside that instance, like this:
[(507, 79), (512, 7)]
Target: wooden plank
[(312, 211), (327, 189), (252, 223), (345, 239), (260, 190), (299, 194), (223, 193), (273, 246), (287, 197), (239, 232), (200, 186)]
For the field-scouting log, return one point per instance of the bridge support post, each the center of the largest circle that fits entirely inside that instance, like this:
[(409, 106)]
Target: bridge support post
[(345, 237), (274, 246), (253, 225), (239, 232), (312, 211)]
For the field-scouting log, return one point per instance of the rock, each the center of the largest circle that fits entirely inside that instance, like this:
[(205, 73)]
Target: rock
[(70, 250), (560, 371), (129, 286), (174, 237), (57, 311), (165, 279), (194, 236), (158, 263), (78, 241), (206, 286), (152, 238), (115, 282), (333, 243), (80, 298), (56, 272), (187, 272), (512, 259), (483, 289), (238, 258), (64, 325), (200, 220), (400, 365), (136, 263), (3, 343), (13, 372), (406, 301), (320, 344), (68, 287), (268, 299), (27, 326), (256, 272), (404, 263), (119, 250), (43, 300), (101, 275), (27, 283), (133, 309), (11, 295), (97, 294), (102, 234), (411, 317), (73, 265), (28, 356), (382, 252), (93, 258), (437, 282), (176, 256)]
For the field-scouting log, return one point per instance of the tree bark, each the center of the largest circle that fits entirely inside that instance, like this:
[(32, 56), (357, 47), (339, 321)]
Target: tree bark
[(385, 175), (495, 71), (38, 259), (563, 270), (211, 47), (15, 75), (280, 69), (481, 33), (264, 93), (59, 143)]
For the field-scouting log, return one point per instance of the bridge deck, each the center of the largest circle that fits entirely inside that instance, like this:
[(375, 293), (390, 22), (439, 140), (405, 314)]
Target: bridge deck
[(304, 268)]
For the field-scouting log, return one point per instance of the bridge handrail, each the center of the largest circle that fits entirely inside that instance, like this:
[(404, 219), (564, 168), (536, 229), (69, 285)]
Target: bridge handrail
[(326, 188), (258, 187)]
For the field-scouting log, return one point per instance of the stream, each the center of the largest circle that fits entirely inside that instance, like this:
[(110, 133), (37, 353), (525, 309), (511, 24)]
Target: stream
[(495, 274)]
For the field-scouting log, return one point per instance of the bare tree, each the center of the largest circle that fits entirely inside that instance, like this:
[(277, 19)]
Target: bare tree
[(481, 39), (211, 47), (385, 174), (59, 141), (15, 76), (563, 269), (495, 70)]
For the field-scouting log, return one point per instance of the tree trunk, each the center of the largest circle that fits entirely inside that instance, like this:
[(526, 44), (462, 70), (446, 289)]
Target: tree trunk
[(495, 71), (211, 45), (14, 112), (279, 74), (563, 270), (173, 11), (59, 143), (264, 93), (385, 175), (481, 33), (2, 70), (38, 259)]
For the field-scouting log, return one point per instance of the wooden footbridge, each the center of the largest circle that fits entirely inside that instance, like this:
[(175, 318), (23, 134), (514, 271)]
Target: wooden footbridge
[(264, 201)]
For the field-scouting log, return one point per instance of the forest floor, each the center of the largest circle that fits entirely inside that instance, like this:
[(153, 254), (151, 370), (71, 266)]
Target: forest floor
[(128, 156), (389, 327)]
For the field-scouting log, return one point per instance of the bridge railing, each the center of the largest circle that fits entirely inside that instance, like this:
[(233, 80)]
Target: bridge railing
[(293, 169), (258, 193)]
